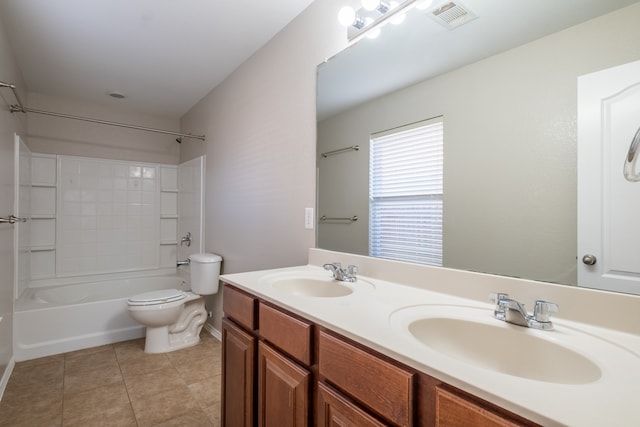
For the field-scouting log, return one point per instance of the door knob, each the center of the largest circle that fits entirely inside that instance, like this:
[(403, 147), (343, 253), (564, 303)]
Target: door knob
[(589, 259)]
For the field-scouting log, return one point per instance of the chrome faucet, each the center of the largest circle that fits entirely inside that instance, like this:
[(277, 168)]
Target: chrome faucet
[(512, 311), (186, 239), (341, 274)]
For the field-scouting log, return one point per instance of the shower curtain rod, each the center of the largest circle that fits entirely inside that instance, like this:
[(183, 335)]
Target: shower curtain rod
[(19, 108)]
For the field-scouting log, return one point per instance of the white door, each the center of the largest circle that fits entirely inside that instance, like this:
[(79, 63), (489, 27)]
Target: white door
[(608, 204)]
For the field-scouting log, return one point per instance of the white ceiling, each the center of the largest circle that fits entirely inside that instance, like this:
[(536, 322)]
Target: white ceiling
[(163, 55)]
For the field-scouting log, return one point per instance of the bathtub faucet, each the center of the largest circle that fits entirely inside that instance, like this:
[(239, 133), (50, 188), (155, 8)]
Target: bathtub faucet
[(186, 239), (185, 262)]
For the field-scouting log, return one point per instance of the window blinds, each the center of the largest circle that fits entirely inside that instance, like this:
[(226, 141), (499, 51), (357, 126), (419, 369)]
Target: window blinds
[(405, 194)]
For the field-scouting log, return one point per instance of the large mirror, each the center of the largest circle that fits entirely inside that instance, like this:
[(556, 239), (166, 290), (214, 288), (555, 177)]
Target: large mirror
[(505, 84)]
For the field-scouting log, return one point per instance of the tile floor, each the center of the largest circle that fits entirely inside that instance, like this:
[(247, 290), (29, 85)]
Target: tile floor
[(117, 385)]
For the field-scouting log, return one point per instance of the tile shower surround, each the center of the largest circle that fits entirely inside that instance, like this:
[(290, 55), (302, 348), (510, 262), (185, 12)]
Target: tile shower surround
[(109, 213), (102, 216), (117, 385)]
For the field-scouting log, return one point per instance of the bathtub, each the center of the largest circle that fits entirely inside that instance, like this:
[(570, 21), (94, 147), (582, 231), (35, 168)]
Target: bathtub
[(58, 319)]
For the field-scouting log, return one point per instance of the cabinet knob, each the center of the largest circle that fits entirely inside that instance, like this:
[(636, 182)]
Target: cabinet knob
[(589, 259)]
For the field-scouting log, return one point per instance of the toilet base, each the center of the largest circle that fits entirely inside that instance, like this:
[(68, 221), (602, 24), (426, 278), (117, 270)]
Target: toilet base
[(185, 332)]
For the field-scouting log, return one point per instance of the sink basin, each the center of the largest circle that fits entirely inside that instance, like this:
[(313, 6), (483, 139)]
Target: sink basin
[(472, 336), (314, 284), (309, 287)]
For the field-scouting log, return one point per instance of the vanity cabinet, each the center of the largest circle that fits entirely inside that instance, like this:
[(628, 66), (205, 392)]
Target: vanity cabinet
[(239, 349), (266, 358), (282, 370), (284, 375)]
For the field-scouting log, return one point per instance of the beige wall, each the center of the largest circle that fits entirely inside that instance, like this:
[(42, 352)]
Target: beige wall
[(55, 135), (9, 124), (261, 130), (510, 151)]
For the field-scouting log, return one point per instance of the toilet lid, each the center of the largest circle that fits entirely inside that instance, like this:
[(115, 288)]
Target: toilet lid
[(157, 297)]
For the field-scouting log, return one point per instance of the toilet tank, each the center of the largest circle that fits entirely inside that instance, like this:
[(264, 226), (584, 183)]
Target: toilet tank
[(205, 273)]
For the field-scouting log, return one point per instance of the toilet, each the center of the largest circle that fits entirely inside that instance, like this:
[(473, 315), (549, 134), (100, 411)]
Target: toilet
[(174, 318)]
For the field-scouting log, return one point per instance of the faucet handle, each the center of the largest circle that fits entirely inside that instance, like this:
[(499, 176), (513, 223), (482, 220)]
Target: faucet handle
[(352, 270), (543, 309), (333, 266), (495, 297), (499, 310)]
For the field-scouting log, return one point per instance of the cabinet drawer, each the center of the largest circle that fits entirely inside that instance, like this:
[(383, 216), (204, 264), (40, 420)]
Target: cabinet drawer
[(240, 307), (383, 387), (286, 332)]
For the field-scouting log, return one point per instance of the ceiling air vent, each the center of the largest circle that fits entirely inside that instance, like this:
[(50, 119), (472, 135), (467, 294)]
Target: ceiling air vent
[(452, 15)]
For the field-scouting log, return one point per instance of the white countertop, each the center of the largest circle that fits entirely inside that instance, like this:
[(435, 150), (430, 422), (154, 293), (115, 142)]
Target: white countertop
[(372, 315)]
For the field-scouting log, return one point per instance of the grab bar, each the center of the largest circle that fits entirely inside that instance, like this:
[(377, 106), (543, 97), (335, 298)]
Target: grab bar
[(340, 150), (324, 218), (12, 219), (630, 161)]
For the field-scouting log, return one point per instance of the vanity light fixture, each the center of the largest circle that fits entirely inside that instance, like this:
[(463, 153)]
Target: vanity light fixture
[(372, 32), (379, 5), (347, 17), (369, 19), (397, 18)]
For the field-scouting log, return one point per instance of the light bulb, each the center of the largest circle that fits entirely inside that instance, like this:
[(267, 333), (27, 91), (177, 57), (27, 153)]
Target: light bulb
[(370, 4), (346, 16), (373, 32), (398, 18), (424, 4), (382, 6)]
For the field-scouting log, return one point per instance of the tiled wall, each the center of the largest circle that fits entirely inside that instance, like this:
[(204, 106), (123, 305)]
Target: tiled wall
[(168, 215), (43, 216), (22, 230), (190, 181), (93, 216)]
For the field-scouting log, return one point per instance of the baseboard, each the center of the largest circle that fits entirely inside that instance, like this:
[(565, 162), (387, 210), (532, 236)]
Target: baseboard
[(213, 331), (6, 375), (22, 351)]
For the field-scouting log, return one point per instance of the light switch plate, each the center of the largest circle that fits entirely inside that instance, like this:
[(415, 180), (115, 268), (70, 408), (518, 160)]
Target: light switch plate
[(308, 218)]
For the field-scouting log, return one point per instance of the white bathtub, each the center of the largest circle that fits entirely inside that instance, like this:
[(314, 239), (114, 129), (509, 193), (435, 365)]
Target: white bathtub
[(57, 319)]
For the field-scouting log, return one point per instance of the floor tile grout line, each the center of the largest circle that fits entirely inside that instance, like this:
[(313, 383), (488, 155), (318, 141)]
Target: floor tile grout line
[(64, 376), (125, 387)]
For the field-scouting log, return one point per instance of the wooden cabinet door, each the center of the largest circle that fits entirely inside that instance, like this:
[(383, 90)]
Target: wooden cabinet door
[(238, 359), (455, 411), (283, 390), (334, 410)]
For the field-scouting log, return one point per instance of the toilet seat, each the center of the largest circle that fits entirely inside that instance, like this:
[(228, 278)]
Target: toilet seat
[(163, 296)]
